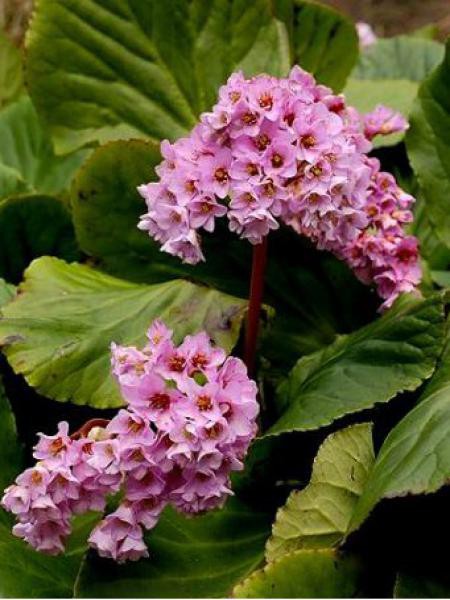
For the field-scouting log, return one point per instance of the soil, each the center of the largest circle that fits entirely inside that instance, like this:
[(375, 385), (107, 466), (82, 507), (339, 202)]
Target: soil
[(392, 17)]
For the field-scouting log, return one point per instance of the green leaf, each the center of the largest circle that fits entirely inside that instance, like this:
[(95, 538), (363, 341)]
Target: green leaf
[(106, 210), (11, 76), (415, 457), (319, 515), (201, 557), (11, 182), (428, 145), (304, 574), (142, 69), (325, 43), (389, 72), (401, 57), (27, 160), (7, 292), (393, 354), (420, 586), (232, 35), (24, 572), (58, 330), (436, 253), (442, 278), (33, 226)]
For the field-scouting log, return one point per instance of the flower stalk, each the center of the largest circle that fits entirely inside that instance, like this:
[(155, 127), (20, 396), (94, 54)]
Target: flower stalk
[(255, 301)]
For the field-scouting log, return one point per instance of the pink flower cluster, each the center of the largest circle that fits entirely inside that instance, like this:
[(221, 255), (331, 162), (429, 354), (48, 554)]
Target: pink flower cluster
[(284, 150), (190, 418)]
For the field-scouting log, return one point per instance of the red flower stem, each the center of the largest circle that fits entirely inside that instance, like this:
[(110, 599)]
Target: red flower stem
[(254, 306), (86, 428)]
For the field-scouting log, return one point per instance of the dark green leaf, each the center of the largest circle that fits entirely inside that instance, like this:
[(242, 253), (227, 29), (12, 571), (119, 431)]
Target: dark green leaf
[(415, 457), (58, 330), (142, 69), (201, 557), (417, 586), (428, 145), (33, 226), (234, 34), (106, 209), (436, 253), (325, 43), (319, 515), (304, 574), (27, 160), (25, 573), (394, 353)]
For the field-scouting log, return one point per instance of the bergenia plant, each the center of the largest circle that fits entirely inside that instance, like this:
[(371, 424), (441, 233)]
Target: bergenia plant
[(224, 262)]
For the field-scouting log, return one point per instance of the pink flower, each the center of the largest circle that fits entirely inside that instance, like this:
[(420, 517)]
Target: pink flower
[(119, 536), (366, 35), (383, 121)]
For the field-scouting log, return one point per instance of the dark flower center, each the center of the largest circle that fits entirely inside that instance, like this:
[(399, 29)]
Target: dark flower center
[(204, 403)]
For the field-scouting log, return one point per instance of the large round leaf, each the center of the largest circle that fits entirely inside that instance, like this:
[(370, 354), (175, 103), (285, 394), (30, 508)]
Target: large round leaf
[(201, 557), (26, 154), (415, 457), (106, 209), (33, 226), (428, 145), (145, 68), (394, 353), (142, 67), (58, 330), (305, 574), (319, 515)]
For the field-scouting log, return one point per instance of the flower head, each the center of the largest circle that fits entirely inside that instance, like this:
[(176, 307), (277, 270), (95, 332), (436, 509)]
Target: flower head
[(277, 151), (190, 418)]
